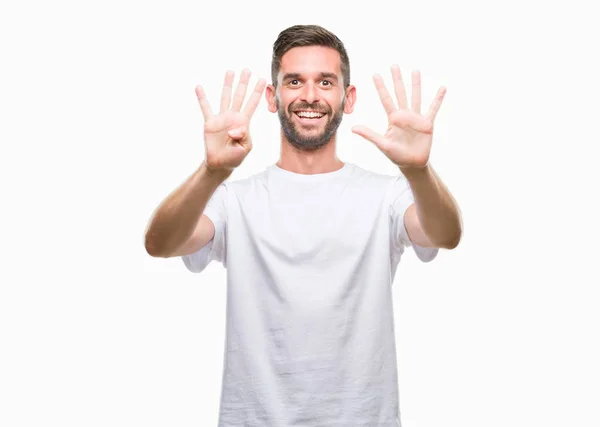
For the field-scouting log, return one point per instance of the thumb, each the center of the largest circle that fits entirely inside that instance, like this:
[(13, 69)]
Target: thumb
[(370, 135), (238, 133)]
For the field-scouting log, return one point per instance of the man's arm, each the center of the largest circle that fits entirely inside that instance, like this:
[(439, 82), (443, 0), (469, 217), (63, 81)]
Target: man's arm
[(434, 219), (178, 226)]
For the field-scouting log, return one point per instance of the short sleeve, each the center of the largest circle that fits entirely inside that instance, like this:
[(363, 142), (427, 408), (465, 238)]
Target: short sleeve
[(215, 250), (402, 197)]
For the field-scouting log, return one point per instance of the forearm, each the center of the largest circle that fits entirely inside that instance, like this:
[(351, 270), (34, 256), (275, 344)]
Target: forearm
[(437, 210), (176, 218)]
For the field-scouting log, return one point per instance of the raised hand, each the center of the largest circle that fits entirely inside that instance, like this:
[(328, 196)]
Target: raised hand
[(408, 139), (226, 135)]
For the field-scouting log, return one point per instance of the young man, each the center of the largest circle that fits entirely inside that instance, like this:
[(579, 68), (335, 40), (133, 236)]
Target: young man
[(311, 245)]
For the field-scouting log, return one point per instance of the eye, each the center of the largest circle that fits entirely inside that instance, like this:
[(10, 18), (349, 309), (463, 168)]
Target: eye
[(328, 82), (294, 82)]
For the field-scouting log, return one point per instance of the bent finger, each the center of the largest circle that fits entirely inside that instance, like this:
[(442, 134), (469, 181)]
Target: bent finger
[(237, 133)]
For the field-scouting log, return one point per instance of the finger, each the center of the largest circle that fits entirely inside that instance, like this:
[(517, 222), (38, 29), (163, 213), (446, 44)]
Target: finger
[(399, 87), (255, 98), (240, 92), (437, 102), (226, 94), (203, 101), (416, 91), (237, 133), (384, 95), (370, 135)]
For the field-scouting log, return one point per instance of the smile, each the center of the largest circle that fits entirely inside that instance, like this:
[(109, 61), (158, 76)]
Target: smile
[(308, 116)]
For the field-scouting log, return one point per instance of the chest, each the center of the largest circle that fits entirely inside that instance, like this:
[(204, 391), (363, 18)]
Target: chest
[(311, 223)]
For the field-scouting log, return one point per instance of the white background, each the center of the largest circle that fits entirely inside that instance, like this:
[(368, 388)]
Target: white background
[(99, 123)]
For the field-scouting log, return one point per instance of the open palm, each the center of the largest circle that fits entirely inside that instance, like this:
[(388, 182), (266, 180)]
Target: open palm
[(407, 141), (226, 134)]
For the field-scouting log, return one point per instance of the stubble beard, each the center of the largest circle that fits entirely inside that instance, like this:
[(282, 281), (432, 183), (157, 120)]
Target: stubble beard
[(305, 142)]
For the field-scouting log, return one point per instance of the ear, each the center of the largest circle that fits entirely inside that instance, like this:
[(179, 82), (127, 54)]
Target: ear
[(350, 99), (270, 96)]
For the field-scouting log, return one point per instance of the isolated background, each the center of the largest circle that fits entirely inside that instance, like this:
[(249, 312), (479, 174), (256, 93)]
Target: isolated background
[(99, 123)]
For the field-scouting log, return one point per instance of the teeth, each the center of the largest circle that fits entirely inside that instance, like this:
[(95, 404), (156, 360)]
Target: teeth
[(311, 115)]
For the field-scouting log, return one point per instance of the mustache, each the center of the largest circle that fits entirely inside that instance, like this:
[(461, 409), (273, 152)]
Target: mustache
[(304, 106)]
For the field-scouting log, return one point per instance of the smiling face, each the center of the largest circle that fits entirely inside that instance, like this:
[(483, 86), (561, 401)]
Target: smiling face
[(310, 98)]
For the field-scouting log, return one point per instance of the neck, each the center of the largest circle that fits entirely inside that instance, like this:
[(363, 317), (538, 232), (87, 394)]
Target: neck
[(322, 160)]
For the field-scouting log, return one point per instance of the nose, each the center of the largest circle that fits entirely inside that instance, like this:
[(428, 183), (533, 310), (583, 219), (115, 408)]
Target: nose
[(310, 93)]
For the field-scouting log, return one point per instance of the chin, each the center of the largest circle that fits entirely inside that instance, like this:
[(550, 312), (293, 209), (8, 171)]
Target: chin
[(312, 144)]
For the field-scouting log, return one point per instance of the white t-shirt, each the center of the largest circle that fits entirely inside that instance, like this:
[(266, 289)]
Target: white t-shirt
[(310, 263)]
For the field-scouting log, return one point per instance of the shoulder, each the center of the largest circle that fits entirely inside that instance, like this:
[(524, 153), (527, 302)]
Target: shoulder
[(392, 185), (243, 185), (240, 191), (369, 177)]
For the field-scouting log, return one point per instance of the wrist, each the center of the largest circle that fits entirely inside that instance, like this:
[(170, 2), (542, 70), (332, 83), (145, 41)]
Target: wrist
[(415, 173), (212, 173)]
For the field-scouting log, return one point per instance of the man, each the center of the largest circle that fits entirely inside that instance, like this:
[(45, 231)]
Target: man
[(311, 245)]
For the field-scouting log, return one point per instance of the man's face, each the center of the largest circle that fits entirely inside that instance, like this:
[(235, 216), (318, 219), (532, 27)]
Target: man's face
[(310, 99)]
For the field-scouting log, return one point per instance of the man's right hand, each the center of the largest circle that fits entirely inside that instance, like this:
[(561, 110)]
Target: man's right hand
[(226, 135)]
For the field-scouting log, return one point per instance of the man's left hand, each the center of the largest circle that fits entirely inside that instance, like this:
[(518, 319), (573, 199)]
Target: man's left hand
[(407, 142)]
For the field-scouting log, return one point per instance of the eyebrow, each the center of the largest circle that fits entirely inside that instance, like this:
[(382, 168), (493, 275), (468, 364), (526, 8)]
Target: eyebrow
[(322, 75)]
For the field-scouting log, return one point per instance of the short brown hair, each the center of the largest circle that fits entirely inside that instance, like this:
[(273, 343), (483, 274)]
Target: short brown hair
[(308, 35)]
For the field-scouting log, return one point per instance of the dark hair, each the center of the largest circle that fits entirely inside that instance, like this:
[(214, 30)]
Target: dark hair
[(308, 35)]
